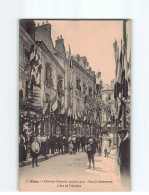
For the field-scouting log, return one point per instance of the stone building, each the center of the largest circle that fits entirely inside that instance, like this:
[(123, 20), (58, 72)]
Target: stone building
[(29, 77), (51, 78), (83, 92), (40, 70), (107, 95)]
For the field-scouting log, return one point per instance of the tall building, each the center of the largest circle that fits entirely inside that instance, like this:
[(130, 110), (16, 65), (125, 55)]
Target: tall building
[(107, 95), (57, 90)]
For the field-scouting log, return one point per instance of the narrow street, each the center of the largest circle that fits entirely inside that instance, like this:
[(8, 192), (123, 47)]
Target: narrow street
[(63, 172)]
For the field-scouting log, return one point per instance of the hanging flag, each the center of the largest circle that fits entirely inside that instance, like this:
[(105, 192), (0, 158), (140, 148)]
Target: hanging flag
[(36, 57), (55, 105), (54, 102), (116, 52), (75, 116), (120, 67), (32, 53), (124, 81), (62, 110), (118, 76)]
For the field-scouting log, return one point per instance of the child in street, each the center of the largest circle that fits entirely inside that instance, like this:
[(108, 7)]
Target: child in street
[(35, 152), (91, 150)]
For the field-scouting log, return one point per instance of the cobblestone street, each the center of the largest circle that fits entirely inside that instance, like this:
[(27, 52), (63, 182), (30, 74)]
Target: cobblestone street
[(72, 170)]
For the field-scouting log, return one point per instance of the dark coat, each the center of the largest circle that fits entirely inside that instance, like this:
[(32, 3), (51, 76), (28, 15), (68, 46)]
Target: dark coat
[(74, 146), (78, 140), (83, 140), (124, 154), (92, 149), (60, 142)]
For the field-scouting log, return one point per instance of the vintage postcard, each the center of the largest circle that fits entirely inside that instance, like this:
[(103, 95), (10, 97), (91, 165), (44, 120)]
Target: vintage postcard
[(74, 105)]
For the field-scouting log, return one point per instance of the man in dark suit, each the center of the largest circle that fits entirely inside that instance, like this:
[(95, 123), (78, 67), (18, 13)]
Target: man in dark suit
[(78, 140), (83, 141), (124, 158)]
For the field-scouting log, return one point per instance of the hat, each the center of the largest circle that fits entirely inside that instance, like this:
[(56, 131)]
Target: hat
[(123, 130), (90, 140)]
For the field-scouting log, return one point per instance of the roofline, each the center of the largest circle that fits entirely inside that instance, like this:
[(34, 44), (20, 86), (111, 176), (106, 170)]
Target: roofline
[(79, 67), (44, 47)]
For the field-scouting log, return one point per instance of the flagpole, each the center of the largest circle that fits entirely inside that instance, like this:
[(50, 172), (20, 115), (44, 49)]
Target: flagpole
[(124, 53), (71, 93)]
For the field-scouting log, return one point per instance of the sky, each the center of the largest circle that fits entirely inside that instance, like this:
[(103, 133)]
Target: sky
[(93, 39)]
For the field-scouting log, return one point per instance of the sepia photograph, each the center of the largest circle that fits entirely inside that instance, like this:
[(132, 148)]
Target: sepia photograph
[(74, 105)]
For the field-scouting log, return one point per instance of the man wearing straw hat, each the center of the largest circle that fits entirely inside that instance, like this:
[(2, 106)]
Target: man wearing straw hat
[(124, 157)]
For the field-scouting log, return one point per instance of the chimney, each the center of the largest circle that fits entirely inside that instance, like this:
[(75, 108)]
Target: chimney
[(59, 44), (43, 32), (112, 83)]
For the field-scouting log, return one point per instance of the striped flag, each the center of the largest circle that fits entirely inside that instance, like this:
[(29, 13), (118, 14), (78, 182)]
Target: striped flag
[(55, 105)]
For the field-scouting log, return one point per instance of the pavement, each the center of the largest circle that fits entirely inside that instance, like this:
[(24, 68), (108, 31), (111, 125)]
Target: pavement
[(40, 159), (70, 173)]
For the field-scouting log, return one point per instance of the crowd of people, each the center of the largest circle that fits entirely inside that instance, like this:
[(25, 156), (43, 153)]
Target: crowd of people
[(32, 145)]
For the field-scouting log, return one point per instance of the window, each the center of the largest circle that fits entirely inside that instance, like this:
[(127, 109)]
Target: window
[(78, 84), (84, 88), (90, 91)]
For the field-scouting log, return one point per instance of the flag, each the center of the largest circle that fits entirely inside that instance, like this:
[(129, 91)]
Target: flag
[(36, 56), (124, 80), (62, 105), (118, 74), (116, 52), (32, 53), (75, 116), (55, 105), (62, 110), (71, 64), (120, 67)]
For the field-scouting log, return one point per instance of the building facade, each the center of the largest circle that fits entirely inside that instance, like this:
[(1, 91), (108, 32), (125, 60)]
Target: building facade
[(107, 96), (58, 92)]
